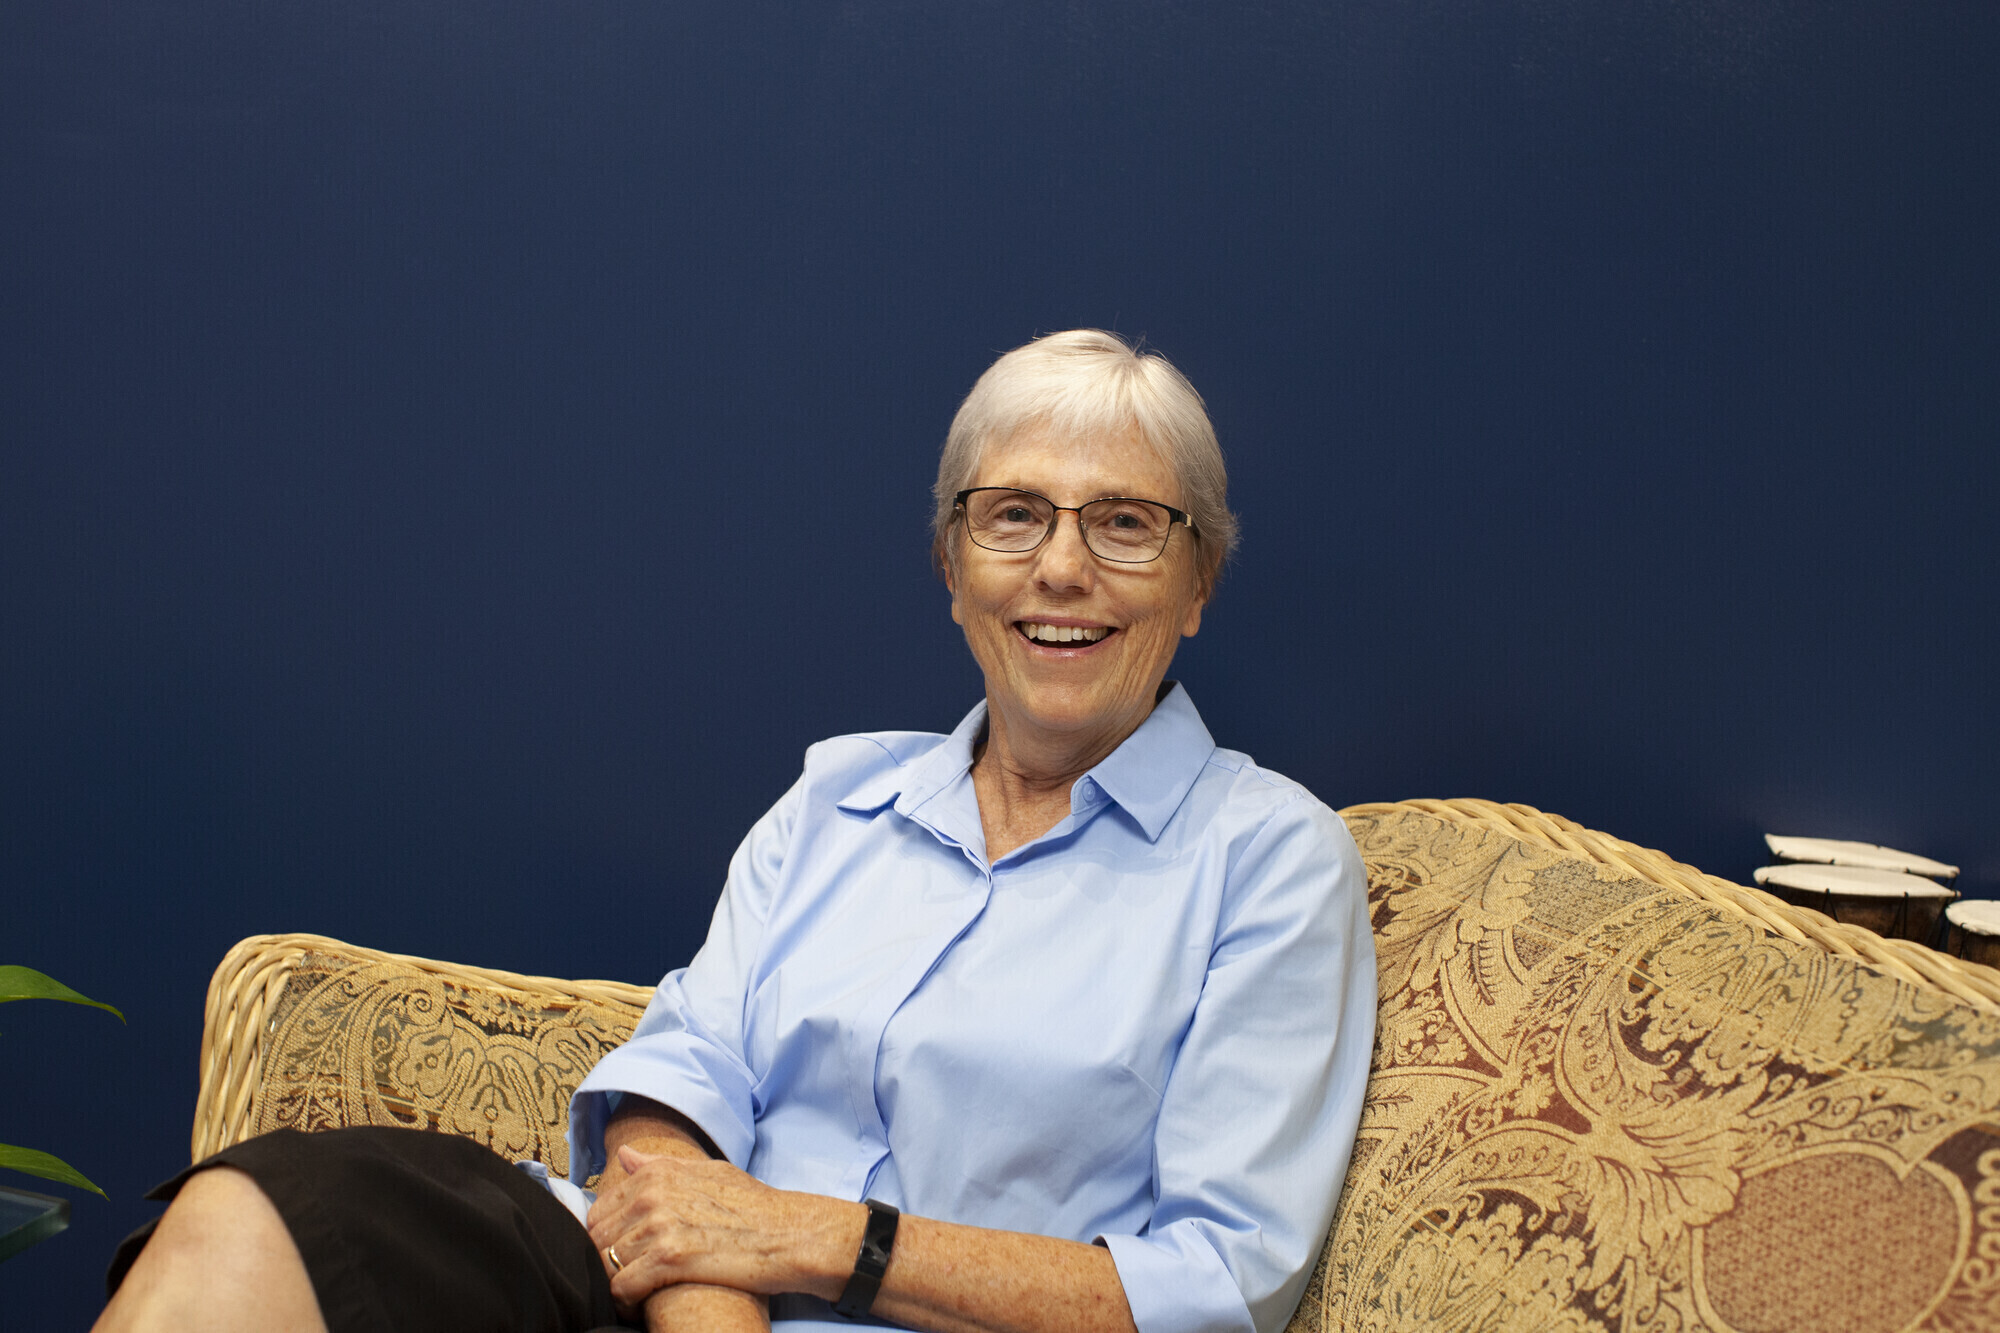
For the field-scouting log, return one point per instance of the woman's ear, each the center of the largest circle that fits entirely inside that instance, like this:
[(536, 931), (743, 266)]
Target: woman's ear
[(1204, 588), (947, 561), (1191, 622), (948, 570)]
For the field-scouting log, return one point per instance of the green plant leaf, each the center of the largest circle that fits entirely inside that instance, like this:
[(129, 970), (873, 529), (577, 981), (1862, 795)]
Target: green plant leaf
[(24, 983), (43, 1165)]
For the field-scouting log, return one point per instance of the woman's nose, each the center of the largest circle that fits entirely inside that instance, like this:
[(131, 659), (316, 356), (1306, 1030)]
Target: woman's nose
[(1066, 562)]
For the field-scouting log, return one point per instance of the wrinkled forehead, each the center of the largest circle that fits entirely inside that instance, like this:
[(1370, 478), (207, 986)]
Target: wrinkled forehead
[(1078, 464)]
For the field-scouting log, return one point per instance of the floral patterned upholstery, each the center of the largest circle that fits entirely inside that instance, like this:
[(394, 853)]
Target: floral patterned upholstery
[(365, 1042), (1599, 1102)]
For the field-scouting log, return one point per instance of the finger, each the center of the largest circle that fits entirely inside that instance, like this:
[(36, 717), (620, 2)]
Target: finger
[(630, 1290), (605, 1226), (632, 1159), (616, 1199), (612, 1192), (625, 1294), (645, 1274), (608, 1220), (619, 1207)]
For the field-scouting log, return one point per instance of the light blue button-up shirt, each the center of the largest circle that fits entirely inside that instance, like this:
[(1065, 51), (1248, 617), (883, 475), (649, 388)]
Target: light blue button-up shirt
[(1148, 1027)]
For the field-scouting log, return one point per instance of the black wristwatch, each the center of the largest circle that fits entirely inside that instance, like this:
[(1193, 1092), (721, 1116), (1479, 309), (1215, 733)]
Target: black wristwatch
[(873, 1261)]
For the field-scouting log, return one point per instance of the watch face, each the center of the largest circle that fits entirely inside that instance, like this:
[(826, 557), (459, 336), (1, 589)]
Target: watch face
[(877, 1240)]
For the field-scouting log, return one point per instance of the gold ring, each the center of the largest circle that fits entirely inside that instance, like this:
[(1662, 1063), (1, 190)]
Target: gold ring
[(611, 1254)]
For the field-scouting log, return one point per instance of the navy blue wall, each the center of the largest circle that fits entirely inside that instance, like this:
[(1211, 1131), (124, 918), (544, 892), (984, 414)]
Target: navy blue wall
[(453, 458)]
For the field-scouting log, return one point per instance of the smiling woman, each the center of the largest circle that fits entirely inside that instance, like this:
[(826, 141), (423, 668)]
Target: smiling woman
[(1074, 626), (1059, 1022), (1073, 646)]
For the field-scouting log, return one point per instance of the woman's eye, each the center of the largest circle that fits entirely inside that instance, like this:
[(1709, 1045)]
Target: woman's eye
[(1126, 521), (1016, 514)]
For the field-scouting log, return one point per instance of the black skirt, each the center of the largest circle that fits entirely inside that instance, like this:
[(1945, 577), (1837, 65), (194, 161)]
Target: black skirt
[(411, 1231)]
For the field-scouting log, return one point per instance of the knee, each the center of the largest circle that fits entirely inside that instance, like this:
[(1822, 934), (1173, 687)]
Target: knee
[(220, 1211), (221, 1258)]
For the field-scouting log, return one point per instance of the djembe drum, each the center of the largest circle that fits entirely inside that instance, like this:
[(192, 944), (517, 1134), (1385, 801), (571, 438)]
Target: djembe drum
[(1976, 930), (1892, 903)]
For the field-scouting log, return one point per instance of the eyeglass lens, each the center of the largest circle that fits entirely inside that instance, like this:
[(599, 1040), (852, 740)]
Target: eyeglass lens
[(1124, 530)]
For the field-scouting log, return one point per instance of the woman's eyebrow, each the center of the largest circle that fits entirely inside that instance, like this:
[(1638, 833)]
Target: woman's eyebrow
[(1105, 494)]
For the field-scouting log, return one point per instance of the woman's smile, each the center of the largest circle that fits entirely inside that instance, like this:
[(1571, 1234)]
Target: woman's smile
[(1063, 638)]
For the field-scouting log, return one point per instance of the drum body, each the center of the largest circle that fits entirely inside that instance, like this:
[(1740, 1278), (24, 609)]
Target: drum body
[(1902, 917), (1893, 904), (1974, 947), (1974, 931)]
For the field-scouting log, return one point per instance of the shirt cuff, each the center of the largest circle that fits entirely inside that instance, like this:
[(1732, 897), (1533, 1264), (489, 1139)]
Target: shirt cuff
[(1175, 1282), (673, 1071), (570, 1196)]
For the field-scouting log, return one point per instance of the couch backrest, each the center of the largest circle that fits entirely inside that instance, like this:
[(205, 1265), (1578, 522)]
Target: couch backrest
[(308, 1033), (1609, 1092), (1623, 1096)]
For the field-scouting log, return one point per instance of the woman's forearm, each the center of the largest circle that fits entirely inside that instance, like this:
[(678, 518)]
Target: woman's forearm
[(696, 1309), (688, 1221), (958, 1279), (690, 1307), (948, 1278)]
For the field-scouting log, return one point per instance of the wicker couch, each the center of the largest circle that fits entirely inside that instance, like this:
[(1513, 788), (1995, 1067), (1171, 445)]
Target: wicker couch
[(1609, 1092)]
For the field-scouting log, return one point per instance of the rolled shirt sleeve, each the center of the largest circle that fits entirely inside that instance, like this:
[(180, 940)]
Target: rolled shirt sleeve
[(688, 1051), (1258, 1118)]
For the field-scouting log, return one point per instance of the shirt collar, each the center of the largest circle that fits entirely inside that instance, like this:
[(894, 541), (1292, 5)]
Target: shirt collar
[(1153, 771), (910, 785), (1148, 776)]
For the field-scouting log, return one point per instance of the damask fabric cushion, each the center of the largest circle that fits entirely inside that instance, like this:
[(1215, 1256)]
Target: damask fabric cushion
[(369, 1041), (1598, 1103)]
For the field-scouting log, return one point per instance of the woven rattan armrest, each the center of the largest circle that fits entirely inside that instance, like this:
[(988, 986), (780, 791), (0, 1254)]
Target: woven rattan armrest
[(296, 990)]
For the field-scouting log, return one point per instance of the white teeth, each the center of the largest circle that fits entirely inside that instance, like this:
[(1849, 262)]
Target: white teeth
[(1063, 633)]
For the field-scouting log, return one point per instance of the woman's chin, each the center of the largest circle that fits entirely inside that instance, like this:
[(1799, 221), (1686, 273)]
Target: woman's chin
[(1060, 715)]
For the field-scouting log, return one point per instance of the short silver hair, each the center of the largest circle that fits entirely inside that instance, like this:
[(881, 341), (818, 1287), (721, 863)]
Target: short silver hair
[(1084, 383)]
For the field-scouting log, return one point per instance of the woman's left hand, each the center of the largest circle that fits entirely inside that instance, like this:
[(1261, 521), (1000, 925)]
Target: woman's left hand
[(674, 1219)]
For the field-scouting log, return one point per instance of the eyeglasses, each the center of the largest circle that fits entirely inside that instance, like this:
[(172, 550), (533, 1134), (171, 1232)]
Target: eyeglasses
[(1131, 532)]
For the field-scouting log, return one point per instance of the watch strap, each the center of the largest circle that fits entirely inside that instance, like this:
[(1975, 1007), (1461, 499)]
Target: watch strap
[(878, 1240)]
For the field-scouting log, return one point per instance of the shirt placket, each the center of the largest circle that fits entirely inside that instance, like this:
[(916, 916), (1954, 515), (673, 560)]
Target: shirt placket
[(864, 1035)]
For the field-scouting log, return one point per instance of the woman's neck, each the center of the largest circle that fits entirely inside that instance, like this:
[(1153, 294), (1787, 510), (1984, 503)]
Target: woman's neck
[(1022, 777)]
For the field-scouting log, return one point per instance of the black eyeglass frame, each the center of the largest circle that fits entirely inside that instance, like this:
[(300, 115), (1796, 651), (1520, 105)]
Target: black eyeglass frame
[(1173, 515)]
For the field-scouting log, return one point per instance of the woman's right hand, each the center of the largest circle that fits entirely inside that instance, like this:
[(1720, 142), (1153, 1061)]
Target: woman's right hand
[(687, 1308), (675, 1219)]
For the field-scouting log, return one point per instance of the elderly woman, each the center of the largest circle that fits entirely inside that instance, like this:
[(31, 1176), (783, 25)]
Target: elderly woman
[(1058, 1022)]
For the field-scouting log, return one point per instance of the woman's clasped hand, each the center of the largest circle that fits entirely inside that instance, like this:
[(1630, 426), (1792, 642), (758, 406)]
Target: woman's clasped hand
[(678, 1219)]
